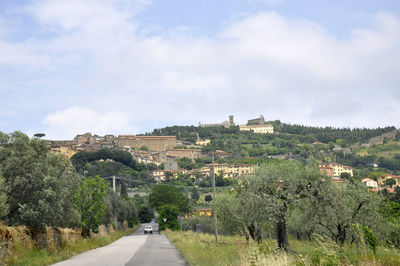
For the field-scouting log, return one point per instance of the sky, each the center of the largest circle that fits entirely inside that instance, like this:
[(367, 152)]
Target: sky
[(128, 66)]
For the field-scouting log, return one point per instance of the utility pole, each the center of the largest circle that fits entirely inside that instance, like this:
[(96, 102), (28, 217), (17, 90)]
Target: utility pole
[(113, 177), (214, 209)]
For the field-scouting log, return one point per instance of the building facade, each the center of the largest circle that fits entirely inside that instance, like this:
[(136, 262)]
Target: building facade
[(153, 143), (260, 129), (335, 169), (225, 124)]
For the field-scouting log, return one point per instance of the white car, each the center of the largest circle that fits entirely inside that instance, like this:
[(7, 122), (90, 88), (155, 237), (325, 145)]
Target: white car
[(148, 229)]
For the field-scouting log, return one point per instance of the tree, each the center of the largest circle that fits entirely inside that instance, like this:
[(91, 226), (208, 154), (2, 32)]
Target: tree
[(164, 194), (195, 194), (337, 206), (124, 192), (143, 148), (277, 185), (39, 135), (389, 182), (345, 176), (39, 184), (167, 218), (89, 201), (208, 198), (145, 214), (3, 200)]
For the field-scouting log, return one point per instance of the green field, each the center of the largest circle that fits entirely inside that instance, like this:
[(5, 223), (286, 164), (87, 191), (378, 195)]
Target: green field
[(200, 249)]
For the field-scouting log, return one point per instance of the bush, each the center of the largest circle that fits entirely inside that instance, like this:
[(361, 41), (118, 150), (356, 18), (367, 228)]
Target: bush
[(168, 215)]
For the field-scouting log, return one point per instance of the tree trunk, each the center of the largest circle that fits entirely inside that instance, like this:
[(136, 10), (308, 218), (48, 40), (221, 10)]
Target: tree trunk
[(254, 231), (281, 235), (251, 231), (341, 236), (309, 235), (257, 232)]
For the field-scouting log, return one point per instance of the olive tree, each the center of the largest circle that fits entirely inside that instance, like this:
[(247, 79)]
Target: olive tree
[(39, 184), (89, 200), (336, 207), (275, 187), (3, 200)]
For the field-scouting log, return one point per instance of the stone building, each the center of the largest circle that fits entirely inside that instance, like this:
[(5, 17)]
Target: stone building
[(186, 153), (257, 125), (256, 121), (153, 143), (225, 124)]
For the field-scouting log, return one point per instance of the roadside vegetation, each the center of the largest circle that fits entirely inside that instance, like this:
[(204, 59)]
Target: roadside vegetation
[(40, 190), (24, 255), (201, 249)]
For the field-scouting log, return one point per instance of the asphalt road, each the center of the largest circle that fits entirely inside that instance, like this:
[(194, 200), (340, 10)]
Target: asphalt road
[(135, 249)]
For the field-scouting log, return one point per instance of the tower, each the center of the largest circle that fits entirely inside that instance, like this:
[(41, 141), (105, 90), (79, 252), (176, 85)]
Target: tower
[(231, 121)]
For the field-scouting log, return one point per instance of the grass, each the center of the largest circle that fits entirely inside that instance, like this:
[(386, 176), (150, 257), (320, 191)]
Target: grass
[(200, 249), (387, 150), (34, 256)]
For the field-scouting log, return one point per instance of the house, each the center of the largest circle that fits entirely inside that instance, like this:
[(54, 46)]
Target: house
[(143, 157), (65, 150), (232, 170), (203, 142), (335, 169), (204, 212), (370, 183), (383, 178)]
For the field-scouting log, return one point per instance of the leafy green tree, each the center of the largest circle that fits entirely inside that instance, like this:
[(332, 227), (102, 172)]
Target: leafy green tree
[(390, 182), (219, 179), (129, 212), (89, 200), (336, 207), (345, 176), (277, 185), (195, 194), (168, 217), (124, 192), (208, 198), (231, 215), (3, 200), (39, 184), (164, 194), (39, 135), (145, 214), (113, 203), (144, 148)]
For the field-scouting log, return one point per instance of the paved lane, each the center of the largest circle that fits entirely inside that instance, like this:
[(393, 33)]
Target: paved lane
[(135, 249), (157, 250)]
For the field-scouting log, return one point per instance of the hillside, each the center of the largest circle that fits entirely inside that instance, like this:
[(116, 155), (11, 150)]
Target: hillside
[(360, 148)]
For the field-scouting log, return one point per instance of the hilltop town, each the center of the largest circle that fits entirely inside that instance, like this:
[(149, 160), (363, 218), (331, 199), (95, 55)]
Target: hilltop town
[(186, 151)]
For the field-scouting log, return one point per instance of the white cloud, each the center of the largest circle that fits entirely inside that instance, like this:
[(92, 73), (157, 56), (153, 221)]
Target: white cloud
[(65, 124), (293, 70)]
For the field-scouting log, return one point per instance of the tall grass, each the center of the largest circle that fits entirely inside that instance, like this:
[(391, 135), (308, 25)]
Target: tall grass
[(22, 255), (200, 249)]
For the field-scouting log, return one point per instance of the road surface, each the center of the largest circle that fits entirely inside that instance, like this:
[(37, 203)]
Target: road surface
[(135, 249)]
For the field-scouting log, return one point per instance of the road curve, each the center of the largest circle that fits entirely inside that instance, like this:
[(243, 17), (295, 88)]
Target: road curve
[(135, 249)]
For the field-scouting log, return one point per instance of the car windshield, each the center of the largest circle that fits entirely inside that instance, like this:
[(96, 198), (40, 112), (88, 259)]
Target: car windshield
[(148, 227)]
